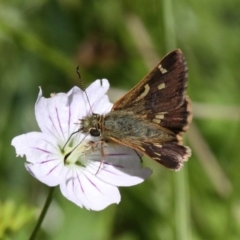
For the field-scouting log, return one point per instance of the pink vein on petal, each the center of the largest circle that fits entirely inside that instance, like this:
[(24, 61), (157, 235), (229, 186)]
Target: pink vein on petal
[(69, 118), (93, 184), (59, 122), (47, 161), (54, 128), (73, 182), (53, 169), (79, 180), (44, 140), (42, 150), (52, 132)]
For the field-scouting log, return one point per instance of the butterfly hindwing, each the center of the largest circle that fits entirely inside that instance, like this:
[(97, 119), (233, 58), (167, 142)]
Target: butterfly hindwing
[(170, 154)]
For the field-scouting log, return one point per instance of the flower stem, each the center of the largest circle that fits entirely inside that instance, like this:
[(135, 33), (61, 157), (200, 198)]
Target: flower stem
[(43, 214)]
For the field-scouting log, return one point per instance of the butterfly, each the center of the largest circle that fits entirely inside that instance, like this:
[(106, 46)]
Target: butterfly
[(152, 116)]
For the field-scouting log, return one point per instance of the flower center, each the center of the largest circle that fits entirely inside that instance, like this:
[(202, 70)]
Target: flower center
[(76, 154)]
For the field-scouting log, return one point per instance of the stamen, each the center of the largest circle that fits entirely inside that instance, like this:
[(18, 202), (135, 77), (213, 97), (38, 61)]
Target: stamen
[(69, 139), (69, 153)]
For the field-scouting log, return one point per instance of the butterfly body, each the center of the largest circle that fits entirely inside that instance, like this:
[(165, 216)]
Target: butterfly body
[(152, 116), (122, 125)]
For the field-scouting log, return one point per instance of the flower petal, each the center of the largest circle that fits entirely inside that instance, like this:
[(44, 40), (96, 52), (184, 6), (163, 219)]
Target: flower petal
[(121, 166), (84, 189), (57, 115), (44, 161), (102, 106), (97, 96)]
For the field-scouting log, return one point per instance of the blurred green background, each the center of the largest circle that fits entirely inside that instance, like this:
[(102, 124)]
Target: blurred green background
[(42, 42)]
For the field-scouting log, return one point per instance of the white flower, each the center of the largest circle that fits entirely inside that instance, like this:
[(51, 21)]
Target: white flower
[(85, 177)]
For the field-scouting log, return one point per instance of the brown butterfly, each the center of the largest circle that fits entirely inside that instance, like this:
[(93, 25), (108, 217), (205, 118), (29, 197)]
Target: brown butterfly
[(152, 116)]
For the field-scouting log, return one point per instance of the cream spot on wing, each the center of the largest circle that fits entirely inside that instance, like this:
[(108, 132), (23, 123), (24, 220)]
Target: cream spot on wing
[(162, 112), (162, 70), (161, 86), (156, 120), (158, 145), (159, 116), (158, 154), (146, 90), (179, 139)]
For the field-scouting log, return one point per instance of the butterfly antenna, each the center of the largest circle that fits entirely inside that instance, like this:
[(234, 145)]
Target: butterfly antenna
[(69, 139), (82, 86), (84, 89)]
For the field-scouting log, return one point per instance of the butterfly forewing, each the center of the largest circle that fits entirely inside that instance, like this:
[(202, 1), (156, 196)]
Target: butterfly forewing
[(163, 89)]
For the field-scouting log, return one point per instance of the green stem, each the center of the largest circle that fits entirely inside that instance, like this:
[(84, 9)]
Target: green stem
[(182, 221), (180, 179), (169, 26), (43, 214)]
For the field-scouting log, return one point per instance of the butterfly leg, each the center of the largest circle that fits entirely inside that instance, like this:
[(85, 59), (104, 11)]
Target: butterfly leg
[(102, 155), (95, 145)]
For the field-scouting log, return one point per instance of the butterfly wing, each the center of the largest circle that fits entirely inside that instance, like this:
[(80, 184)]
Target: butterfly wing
[(161, 95), (160, 98), (171, 154)]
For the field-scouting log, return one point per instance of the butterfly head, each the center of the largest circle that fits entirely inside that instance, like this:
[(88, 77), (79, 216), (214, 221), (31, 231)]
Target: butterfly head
[(91, 124)]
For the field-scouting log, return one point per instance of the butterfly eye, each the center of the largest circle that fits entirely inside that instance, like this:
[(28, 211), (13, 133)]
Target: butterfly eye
[(95, 132)]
